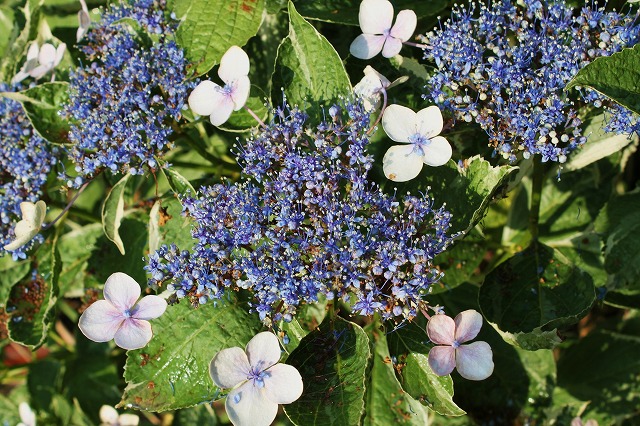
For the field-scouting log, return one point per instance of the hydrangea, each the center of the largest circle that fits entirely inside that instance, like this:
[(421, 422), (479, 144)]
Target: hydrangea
[(25, 162), (305, 220), (124, 100), (505, 66)]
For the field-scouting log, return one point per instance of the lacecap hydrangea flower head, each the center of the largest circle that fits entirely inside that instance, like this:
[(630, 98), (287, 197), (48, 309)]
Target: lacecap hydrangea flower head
[(25, 161), (126, 96), (504, 65), (305, 220)]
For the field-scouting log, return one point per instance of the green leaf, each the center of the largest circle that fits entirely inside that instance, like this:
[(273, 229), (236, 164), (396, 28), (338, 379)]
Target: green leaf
[(604, 368), (11, 272), (30, 15), (113, 211), (7, 27), (436, 392), (308, 68), (616, 76), (168, 226), (201, 414), (534, 292), (210, 27), (294, 332), (601, 144), (178, 183), (332, 361), (619, 225), (387, 403), (172, 371), (42, 103), (460, 263), (34, 300), (467, 190), (346, 11), (91, 377)]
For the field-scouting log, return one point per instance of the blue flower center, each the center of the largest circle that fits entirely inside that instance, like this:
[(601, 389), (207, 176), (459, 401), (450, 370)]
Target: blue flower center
[(455, 344), (257, 376), (419, 143)]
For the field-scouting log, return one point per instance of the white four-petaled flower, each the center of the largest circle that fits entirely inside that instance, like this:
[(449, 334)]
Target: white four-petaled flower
[(419, 131), (110, 417), (376, 17), (473, 361), (84, 21), (27, 416), (219, 102), (40, 60), (259, 383), (371, 87), (119, 317), (31, 223)]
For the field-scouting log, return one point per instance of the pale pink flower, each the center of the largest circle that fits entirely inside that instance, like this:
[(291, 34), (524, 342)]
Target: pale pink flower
[(119, 317), (258, 382), (473, 361), (375, 19)]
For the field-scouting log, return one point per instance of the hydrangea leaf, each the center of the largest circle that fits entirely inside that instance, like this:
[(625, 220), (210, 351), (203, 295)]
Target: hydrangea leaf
[(168, 226), (619, 225), (11, 272), (178, 183), (91, 377), (436, 392), (172, 371), (88, 256), (604, 368), (534, 292), (308, 68), (294, 334), (42, 103), (32, 301), (346, 11), (615, 76), (113, 212), (30, 14), (202, 414), (209, 28), (7, 26), (599, 146), (461, 263), (466, 190), (386, 402), (333, 362)]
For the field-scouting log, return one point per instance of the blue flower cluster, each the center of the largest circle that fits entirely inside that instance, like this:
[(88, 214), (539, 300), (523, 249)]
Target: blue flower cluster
[(505, 67), (25, 162), (304, 220), (125, 99)]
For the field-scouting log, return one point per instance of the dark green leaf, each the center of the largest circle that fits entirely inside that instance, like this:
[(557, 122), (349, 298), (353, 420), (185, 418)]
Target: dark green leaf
[(30, 15), (332, 361), (210, 27), (434, 391), (619, 225), (42, 103), (178, 183), (168, 226), (534, 292), (172, 371), (202, 414), (33, 300), (604, 368), (616, 76), (387, 403), (113, 211), (11, 272), (308, 68)]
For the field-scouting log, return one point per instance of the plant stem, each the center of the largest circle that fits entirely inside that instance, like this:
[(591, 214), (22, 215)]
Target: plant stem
[(536, 195)]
